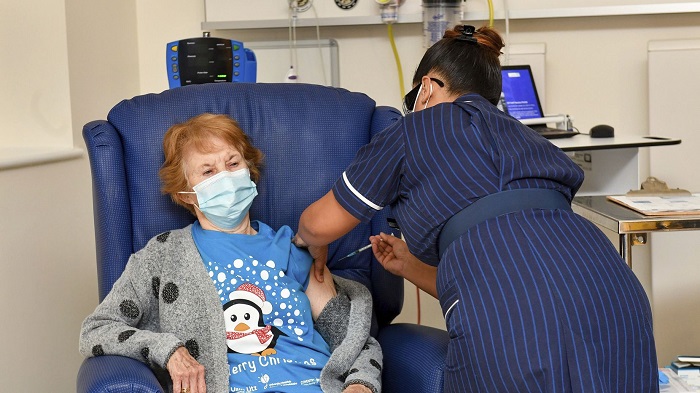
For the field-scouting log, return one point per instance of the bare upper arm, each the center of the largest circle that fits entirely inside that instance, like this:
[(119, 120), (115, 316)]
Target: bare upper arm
[(319, 293)]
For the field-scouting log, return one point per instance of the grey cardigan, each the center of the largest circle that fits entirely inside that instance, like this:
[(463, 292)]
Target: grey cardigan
[(164, 299)]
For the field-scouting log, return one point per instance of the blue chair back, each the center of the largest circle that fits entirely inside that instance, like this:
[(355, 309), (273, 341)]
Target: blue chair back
[(308, 133)]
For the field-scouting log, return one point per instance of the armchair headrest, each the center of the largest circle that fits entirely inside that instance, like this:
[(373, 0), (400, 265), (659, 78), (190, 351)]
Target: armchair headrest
[(308, 134)]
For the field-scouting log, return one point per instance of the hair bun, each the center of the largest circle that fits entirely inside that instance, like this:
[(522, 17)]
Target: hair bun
[(490, 40)]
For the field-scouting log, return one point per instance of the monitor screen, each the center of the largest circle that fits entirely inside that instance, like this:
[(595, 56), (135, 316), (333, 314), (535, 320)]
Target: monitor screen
[(204, 60), (520, 94)]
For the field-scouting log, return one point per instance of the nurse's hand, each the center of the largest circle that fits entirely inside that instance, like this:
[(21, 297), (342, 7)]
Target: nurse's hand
[(186, 372), (392, 253), (320, 256), (318, 253)]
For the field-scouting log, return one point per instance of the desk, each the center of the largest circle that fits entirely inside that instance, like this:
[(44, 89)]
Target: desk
[(584, 142), (631, 227), (611, 165)]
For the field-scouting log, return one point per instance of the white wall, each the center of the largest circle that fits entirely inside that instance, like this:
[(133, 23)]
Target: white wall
[(38, 114), (674, 85), (596, 71), (47, 249)]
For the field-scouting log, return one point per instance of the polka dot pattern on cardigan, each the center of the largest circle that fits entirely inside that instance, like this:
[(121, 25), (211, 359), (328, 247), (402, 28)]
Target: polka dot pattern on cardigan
[(123, 336), (170, 293), (129, 309), (163, 237), (193, 348), (97, 350), (145, 352)]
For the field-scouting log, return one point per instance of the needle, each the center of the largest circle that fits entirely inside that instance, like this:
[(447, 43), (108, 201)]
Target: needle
[(359, 250)]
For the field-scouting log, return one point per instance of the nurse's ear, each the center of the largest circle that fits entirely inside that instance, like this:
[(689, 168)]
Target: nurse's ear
[(425, 93), (434, 92)]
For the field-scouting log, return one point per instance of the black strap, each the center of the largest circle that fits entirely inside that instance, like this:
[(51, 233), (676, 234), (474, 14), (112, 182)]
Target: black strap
[(495, 205)]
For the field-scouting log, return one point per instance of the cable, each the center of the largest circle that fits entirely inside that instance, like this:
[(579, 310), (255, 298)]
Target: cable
[(292, 39), (490, 13), (506, 10), (318, 40), (390, 32), (402, 91), (417, 306)]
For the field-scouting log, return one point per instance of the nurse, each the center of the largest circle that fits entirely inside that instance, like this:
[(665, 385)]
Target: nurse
[(535, 298)]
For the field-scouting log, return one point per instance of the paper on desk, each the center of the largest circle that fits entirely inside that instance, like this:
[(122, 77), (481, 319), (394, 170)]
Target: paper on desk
[(660, 205), (675, 383)]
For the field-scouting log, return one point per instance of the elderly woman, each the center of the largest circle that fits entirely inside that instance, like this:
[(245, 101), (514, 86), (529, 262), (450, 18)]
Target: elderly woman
[(228, 304)]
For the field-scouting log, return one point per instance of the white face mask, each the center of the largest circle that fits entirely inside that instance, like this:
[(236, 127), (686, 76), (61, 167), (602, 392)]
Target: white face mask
[(226, 197)]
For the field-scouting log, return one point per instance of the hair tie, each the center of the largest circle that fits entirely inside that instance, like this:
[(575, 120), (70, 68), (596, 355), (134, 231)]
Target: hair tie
[(467, 34)]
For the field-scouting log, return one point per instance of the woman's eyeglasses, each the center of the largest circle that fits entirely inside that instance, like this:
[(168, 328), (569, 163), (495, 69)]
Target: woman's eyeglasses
[(409, 100)]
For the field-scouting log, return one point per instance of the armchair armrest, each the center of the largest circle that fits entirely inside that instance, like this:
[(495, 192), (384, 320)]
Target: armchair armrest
[(116, 374), (414, 358)]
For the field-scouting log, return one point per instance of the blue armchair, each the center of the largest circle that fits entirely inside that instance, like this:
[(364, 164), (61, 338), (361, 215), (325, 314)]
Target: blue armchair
[(308, 134)]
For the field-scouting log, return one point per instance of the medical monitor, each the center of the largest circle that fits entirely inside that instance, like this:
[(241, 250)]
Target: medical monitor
[(207, 60)]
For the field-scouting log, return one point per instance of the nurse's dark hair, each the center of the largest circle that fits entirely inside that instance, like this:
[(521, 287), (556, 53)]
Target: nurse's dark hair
[(467, 63)]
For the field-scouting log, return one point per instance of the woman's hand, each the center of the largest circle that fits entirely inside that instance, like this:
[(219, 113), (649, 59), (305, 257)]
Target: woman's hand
[(357, 388), (393, 254), (187, 374)]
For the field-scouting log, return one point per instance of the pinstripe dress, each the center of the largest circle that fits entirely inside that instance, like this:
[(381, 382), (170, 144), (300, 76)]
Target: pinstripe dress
[(536, 300)]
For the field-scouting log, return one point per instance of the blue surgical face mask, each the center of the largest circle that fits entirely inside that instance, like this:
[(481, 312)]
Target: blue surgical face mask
[(225, 198)]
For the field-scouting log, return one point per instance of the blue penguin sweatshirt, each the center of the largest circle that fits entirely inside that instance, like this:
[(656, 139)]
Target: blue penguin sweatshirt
[(165, 299)]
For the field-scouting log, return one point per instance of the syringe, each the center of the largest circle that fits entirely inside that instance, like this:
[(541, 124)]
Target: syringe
[(392, 223), (359, 250)]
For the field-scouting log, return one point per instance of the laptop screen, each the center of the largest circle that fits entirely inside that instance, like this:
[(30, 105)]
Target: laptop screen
[(520, 93)]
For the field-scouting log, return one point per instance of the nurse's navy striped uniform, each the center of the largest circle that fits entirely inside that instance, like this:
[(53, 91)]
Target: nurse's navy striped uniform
[(536, 300)]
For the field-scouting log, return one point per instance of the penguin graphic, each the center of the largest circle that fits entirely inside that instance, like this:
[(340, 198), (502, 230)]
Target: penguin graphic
[(246, 332)]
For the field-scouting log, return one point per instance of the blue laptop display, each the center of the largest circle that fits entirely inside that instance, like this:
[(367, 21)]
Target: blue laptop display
[(520, 100)]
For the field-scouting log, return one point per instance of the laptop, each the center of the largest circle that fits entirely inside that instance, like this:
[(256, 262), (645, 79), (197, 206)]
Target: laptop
[(520, 100)]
